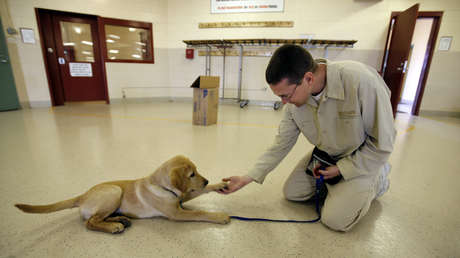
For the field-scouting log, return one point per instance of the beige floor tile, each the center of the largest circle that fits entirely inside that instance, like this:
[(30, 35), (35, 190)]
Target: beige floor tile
[(47, 155)]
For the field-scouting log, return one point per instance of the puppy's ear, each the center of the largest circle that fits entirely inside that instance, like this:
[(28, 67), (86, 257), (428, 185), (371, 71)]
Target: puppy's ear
[(177, 176)]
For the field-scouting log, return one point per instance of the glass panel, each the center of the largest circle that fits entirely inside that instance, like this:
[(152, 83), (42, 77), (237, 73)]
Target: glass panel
[(78, 42), (127, 43)]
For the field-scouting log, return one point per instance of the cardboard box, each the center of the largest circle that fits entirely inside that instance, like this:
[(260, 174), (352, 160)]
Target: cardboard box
[(205, 100)]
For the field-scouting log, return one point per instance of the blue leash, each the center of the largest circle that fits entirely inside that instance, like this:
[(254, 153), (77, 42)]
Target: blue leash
[(319, 183)]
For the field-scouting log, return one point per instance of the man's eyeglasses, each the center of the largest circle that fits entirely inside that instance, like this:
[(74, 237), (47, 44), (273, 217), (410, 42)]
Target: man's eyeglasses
[(288, 96)]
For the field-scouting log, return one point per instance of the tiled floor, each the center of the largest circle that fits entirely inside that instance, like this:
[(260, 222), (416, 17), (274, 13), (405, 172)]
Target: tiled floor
[(47, 155)]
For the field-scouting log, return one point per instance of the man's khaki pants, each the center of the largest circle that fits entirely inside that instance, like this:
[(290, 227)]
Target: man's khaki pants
[(346, 202)]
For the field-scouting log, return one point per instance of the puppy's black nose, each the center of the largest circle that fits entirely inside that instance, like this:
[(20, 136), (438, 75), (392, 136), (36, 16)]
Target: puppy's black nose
[(206, 182)]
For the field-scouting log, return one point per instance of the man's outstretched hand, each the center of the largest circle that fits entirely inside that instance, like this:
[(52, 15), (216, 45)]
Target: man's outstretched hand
[(235, 183)]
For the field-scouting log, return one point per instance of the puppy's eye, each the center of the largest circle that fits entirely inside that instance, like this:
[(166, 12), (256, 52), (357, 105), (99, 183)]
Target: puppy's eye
[(193, 174)]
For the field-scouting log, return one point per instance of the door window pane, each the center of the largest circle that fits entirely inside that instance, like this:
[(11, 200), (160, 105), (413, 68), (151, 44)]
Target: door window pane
[(77, 41), (127, 43)]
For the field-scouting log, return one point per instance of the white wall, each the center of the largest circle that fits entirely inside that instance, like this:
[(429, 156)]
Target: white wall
[(177, 20), (318, 18)]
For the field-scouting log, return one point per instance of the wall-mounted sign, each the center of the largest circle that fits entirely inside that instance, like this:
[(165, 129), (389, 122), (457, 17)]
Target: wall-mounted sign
[(444, 43), (245, 6), (27, 35), (80, 70)]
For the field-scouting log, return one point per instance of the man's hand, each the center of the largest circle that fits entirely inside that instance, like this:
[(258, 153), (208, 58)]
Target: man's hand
[(235, 183), (330, 172)]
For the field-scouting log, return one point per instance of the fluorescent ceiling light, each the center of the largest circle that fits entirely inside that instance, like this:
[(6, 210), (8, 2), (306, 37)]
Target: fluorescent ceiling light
[(114, 36), (87, 43)]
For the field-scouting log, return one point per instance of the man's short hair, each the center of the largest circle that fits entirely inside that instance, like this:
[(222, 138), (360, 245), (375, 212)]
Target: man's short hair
[(291, 62)]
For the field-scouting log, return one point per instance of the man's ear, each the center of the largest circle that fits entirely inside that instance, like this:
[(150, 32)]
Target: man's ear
[(177, 179), (308, 79)]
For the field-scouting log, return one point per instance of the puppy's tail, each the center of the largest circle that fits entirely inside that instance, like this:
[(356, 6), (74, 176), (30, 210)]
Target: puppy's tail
[(67, 204)]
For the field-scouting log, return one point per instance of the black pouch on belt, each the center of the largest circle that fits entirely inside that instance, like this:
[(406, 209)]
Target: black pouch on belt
[(321, 157)]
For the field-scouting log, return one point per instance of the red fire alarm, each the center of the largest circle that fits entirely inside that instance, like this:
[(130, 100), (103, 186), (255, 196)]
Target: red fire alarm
[(189, 53)]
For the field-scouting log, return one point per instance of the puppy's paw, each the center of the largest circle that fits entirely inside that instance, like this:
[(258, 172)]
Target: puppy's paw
[(117, 228), (220, 186), (222, 218), (126, 222)]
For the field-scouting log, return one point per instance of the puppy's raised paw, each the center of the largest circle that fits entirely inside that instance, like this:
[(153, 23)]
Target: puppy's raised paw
[(220, 186)]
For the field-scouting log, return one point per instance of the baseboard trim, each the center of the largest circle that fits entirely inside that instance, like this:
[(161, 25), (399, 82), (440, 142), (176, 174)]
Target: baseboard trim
[(264, 103), (150, 99), (36, 104), (439, 113), (188, 99)]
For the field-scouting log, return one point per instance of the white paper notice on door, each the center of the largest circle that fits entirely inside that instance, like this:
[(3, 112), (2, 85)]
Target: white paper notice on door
[(80, 70)]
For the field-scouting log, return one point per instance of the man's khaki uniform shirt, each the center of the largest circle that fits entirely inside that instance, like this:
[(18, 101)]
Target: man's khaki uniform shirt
[(352, 122)]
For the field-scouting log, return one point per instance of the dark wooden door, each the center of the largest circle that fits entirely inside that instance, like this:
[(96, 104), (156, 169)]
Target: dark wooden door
[(78, 57), (398, 52)]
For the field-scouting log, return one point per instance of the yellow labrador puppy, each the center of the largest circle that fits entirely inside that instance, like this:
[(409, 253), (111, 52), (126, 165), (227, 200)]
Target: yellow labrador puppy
[(107, 206)]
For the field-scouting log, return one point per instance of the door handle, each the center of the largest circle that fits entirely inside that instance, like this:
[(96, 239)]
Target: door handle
[(3, 58), (402, 67)]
